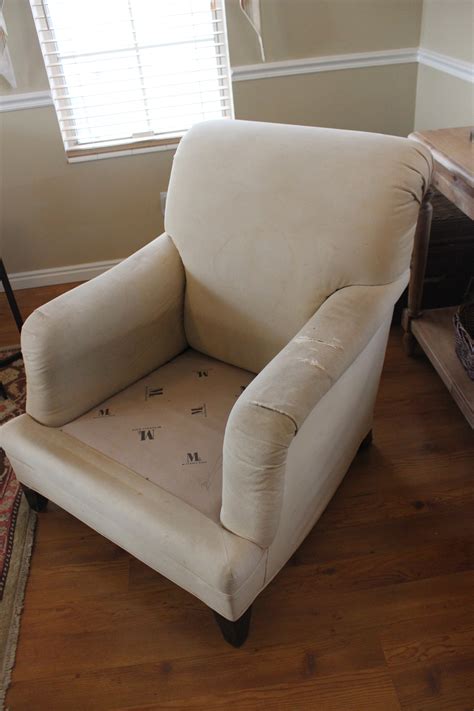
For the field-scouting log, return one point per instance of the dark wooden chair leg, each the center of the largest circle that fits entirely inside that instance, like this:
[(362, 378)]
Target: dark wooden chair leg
[(235, 633), (367, 441), (3, 364), (38, 502), (10, 359)]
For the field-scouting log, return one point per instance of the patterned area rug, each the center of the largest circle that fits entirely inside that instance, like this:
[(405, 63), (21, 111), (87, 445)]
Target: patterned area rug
[(17, 527)]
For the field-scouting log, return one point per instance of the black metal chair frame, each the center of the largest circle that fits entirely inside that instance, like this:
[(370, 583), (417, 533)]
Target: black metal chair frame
[(18, 320)]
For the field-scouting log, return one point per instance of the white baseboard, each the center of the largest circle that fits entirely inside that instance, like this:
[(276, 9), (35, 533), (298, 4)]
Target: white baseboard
[(59, 275)]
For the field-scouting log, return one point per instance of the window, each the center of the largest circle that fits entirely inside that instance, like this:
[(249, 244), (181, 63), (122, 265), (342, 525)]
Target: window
[(135, 72)]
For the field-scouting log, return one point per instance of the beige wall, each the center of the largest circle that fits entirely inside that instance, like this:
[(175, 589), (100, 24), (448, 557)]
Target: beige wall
[(312, 28), (448, 27), (24, 49), (379, 99), (57, 214), (443, 100)]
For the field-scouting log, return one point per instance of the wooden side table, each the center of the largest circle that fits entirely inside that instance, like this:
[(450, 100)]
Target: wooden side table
[(453, 176)]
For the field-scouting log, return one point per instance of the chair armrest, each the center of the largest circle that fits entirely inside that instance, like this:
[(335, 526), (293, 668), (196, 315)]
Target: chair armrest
[(96, 339), (273, 407)]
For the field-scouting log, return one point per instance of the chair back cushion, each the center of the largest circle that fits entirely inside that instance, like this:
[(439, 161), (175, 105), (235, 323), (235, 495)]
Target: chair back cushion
[(271, 219)]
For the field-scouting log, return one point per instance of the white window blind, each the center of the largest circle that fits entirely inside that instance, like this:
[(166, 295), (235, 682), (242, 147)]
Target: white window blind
[(123, 71)]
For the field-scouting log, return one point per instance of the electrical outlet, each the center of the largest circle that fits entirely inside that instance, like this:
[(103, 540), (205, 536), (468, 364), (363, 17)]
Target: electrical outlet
[(163, 202)]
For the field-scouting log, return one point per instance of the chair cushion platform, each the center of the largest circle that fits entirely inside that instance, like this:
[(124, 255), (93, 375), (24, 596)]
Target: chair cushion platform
[(169, 427)]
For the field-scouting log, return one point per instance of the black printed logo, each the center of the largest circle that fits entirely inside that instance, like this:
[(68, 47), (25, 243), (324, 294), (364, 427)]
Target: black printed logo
[(202, 373), (146, 433), (103, 412), (152, 392), (200, 410), (193, 458)]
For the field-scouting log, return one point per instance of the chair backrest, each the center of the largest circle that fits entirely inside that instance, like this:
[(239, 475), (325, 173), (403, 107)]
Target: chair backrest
[(271, 219)]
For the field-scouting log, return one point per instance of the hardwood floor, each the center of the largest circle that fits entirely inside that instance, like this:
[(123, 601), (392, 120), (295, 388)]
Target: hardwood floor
[(375, 611), (28, 300)]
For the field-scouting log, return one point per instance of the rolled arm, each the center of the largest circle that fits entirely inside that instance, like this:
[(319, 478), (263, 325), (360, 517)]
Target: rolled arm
[(273, 407), (96, 339)]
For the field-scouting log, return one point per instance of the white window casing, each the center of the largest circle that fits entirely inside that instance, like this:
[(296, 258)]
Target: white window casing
[(133, 73)]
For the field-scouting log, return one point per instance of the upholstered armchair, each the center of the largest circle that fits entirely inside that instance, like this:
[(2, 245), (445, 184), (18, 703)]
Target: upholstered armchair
[(200, 403)]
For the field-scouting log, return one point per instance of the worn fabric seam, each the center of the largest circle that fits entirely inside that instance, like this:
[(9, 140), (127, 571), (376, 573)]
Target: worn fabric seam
[(274, 409)]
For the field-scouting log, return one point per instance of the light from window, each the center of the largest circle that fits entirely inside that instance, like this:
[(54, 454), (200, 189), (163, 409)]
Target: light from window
[(123, 71)]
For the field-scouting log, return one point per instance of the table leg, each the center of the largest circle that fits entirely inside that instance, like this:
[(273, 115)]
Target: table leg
[(417, 271)]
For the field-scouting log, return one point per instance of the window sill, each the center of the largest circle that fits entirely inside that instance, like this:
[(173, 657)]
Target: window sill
[(133, 148)]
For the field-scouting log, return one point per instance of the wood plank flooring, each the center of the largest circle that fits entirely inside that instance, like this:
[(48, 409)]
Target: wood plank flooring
[(28, 300), (375, 611)]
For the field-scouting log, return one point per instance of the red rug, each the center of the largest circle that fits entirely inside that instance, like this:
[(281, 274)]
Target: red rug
[(13, 379), (17, 528)]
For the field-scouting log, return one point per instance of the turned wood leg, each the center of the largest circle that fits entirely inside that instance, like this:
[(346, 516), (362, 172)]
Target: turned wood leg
[(367, 441), (38, 502), (235, 633), (417, 271)]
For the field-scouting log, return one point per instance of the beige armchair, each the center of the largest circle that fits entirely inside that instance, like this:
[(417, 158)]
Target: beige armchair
[(200, 403)]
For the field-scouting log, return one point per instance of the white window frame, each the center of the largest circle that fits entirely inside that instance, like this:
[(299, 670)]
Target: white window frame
[(138, 144)]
